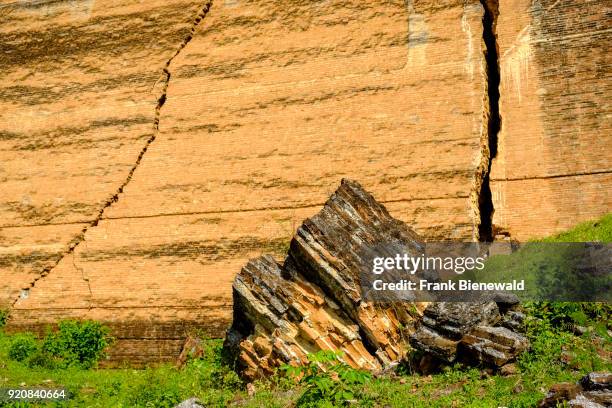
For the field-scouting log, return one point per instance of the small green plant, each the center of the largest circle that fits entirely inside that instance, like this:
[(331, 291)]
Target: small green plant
[(569, 315), (215, 364), (78, 343), (154, 392), (39, 359), (4, 314), (23, 345), (329, 382)]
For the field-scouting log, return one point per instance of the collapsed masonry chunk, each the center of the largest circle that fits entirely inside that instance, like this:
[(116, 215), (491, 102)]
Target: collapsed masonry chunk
[(594, 390), (444, 325), (493, 346), (278, 321), (468, 332), (597, 381), (455, 319), (313, 301)]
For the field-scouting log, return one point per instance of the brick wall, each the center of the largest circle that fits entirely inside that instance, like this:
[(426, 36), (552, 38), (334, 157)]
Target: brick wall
[(267, 107)]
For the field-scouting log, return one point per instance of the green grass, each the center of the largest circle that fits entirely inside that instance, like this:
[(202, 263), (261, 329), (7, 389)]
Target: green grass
[(556, 355), (161, 386), (597, 230)]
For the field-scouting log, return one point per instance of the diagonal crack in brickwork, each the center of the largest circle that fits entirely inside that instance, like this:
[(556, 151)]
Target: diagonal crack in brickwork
[(161, 100)]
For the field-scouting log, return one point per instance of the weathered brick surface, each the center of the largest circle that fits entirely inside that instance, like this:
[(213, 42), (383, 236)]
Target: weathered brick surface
[(554, 164), (77, 104), (268, 106)]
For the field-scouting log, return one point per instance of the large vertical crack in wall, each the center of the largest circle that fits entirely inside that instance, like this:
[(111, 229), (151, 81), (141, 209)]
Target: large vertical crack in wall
[(161, 100), (492, 122)]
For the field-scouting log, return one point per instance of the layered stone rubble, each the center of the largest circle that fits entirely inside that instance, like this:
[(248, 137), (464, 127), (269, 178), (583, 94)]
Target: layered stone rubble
[(594, 390), (288, 319), (313, 300), (480, 332)]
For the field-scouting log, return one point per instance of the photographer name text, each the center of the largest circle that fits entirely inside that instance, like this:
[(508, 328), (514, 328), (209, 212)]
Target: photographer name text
[(462, 285)]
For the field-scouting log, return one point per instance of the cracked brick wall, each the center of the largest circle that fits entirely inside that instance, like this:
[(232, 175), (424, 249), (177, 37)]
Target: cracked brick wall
[(150, 148), (554, 163)]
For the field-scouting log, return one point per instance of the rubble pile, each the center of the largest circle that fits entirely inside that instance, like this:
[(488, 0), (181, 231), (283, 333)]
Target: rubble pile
[(313, 301)]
